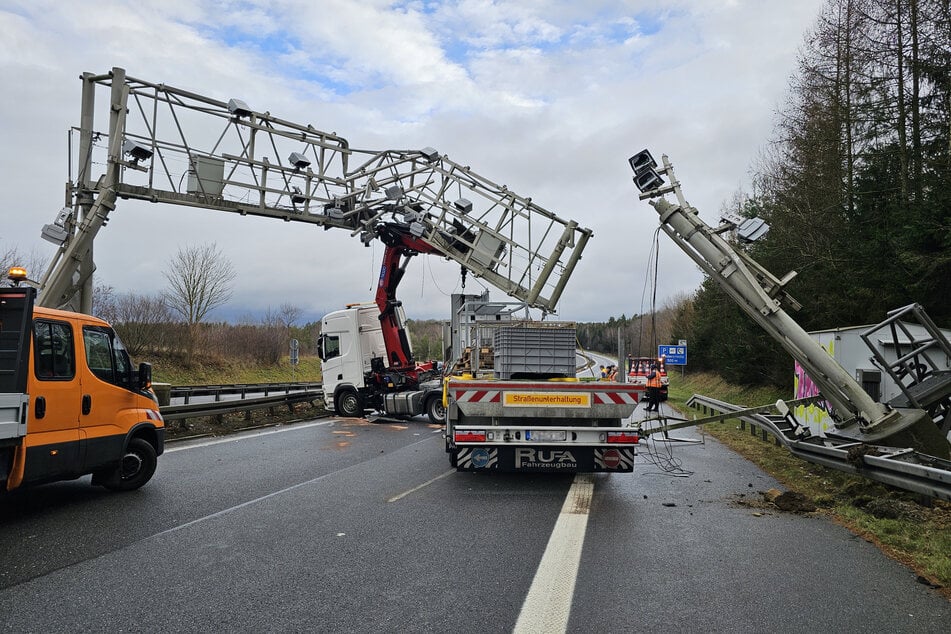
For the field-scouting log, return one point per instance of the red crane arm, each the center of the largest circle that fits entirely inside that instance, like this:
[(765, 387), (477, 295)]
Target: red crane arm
[(400, 247)]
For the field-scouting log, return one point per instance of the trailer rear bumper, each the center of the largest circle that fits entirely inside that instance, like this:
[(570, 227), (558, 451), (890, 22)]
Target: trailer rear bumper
[(545, 459), (543, 449)]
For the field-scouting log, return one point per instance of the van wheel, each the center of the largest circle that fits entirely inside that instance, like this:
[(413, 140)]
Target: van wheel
[(436, 410), (137, 466), (349, 404)]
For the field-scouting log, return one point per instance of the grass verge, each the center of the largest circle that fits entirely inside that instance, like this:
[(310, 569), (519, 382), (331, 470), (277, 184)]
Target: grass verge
[(211, 371), (908, 528), (216, 371)]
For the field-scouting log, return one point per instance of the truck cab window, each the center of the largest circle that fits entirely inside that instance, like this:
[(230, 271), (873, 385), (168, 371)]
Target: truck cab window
[(53, 351), (328, 347), (107, 357)]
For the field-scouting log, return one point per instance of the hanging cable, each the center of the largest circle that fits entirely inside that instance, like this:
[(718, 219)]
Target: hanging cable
[(374, 270), (660, 454), (650, 284), (656, 251)]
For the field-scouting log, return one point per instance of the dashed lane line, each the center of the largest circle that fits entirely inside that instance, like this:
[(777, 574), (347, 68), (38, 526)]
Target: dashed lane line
[(548, 604)]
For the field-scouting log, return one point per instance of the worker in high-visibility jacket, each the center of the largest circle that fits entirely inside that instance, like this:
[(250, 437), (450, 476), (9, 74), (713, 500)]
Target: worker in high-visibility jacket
[(653, 389)]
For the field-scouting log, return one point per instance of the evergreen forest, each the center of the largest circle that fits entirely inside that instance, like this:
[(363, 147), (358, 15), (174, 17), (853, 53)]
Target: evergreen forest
[(855, 184)]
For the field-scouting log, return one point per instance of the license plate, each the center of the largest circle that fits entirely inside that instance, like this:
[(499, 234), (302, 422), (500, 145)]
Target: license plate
[(546, 436)]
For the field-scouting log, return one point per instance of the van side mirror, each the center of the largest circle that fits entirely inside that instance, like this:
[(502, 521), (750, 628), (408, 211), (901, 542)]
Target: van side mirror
[(145, 376)]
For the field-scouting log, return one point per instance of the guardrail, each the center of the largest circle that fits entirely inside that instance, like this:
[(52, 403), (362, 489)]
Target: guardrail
[(289, 394), (904, 468), (242, 389)]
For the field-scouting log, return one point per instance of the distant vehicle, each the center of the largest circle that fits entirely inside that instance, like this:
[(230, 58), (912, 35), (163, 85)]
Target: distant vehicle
[(641, 367)]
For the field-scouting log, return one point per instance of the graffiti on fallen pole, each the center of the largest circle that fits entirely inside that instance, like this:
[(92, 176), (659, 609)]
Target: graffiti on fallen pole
[(815, 415)]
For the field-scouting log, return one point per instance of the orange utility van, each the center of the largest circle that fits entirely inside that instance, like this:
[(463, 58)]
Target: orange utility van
[(71, 403)]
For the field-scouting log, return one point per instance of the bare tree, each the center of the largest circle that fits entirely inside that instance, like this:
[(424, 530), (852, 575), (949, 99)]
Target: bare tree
[(199, 280), (34, 263), (104, 303), (288, 314), (142, 321), (279, 323)]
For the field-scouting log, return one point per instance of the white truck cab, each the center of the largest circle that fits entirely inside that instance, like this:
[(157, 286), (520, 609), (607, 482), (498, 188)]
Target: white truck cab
[(353, 364), (349, 341)]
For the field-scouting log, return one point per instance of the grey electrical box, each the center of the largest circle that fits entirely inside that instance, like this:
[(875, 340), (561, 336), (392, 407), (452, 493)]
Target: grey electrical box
[(871, 381), (487, 250), (206, 176)]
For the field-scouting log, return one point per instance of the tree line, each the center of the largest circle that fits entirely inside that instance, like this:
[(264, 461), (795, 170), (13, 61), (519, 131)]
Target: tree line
[(855, 184), (640, 334)]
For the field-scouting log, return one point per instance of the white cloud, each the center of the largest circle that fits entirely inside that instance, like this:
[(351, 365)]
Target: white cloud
[(547, 97)]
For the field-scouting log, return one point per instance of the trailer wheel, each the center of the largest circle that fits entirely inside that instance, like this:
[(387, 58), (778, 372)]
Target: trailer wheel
[(349, 404), (136, 468), (436, 410)]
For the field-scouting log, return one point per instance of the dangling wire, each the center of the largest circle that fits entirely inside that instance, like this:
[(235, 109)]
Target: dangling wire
[(374, 270), (432, 277), (650, 283), (659, 452), (656, 250)]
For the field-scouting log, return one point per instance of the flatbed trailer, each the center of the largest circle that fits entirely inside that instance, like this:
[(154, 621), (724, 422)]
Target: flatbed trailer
[(553, 425)]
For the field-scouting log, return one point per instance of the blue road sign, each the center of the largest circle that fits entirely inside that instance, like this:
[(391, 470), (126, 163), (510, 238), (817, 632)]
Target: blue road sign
[(673, 355)]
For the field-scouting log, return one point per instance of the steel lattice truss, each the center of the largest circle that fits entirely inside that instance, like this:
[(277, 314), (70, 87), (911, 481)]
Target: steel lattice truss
[(169, 145)]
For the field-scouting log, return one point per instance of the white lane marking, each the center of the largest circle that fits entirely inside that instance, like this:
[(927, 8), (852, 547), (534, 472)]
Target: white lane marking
[(249, 502), (548, 604), (218, 441), (359, 465), (423, 485)]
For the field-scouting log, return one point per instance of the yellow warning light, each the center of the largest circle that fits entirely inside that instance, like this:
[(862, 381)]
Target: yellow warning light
[(16, 273)]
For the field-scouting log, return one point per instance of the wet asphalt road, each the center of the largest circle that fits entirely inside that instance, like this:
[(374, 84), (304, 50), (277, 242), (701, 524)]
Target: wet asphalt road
[(336, 526)]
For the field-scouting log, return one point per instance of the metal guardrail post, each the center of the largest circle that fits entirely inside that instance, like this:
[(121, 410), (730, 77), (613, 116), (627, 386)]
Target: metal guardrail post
[(163, 392)]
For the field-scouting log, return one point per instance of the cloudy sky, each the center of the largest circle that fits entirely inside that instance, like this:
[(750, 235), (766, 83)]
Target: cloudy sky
[(548, 97)]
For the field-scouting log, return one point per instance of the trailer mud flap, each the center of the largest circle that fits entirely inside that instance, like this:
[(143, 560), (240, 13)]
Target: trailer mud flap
[(551, 459)]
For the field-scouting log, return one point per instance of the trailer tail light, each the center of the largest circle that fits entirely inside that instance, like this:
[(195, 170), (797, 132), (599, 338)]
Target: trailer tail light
[(469, 435), (623, 437)]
